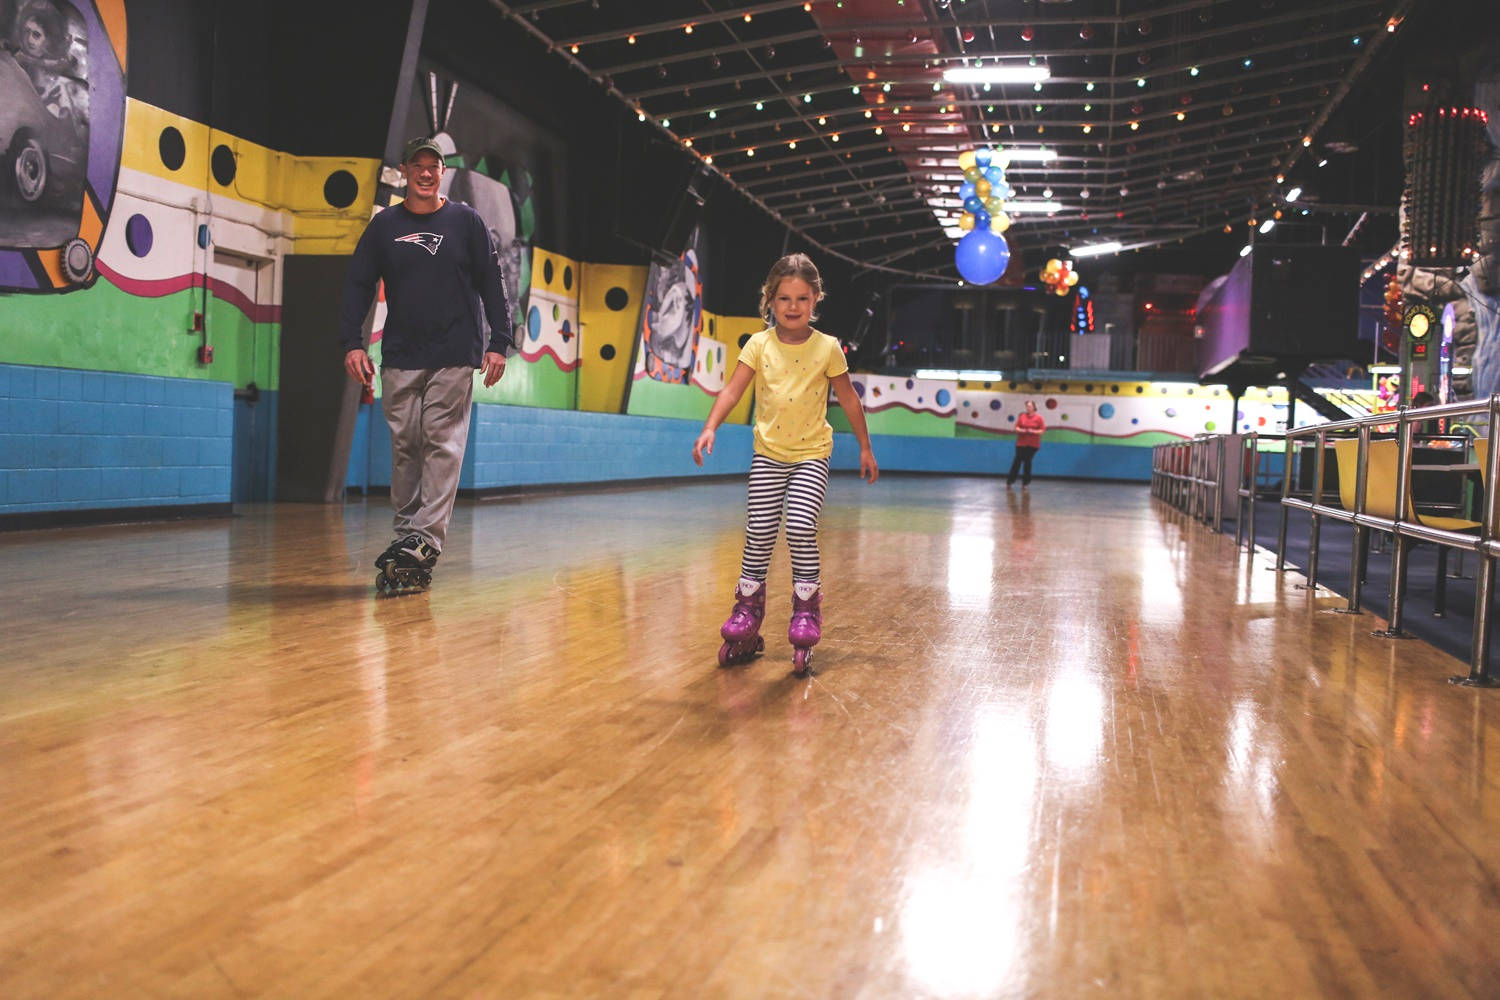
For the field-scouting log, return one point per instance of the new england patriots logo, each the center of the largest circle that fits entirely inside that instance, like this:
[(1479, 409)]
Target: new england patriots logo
[(427, 241)]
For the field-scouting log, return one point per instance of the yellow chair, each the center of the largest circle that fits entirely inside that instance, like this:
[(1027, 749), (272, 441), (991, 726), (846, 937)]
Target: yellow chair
[(1380, 501)]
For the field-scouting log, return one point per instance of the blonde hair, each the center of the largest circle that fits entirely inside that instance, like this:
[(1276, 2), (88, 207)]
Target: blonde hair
[(793, 265)]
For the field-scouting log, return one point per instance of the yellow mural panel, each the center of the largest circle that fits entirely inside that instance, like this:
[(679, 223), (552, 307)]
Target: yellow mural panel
[(730, 331), (551, 323), (308, 188), (609, 308)]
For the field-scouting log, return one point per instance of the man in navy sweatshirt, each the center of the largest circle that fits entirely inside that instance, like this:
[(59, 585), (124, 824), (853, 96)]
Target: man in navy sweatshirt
[(439, 266)]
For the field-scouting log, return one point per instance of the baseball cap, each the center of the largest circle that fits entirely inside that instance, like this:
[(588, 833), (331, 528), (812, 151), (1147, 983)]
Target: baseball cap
[(417, 145)]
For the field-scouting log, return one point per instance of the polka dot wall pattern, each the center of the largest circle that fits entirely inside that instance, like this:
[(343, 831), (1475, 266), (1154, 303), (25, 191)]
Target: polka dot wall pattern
[(340, 189), (172, 148), (139, 235), (223, 166)]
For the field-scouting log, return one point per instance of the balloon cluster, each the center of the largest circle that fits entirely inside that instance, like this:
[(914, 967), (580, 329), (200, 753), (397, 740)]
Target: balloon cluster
[(1059, 276), (982, 253), (1390, 338)]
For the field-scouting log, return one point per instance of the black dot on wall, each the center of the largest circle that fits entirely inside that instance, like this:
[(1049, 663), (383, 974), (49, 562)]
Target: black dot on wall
[(547, 271), (340, 189), (607, 352), (617, 298), (711, 327), (744, 339), (222, 164), (568, 277), (172, 148), (1114, 388)]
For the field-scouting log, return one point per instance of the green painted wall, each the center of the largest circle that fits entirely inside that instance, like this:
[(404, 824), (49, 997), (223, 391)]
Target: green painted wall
[(896, 420), (105, 329), (1067, 435), (650, 398), (532, 383)]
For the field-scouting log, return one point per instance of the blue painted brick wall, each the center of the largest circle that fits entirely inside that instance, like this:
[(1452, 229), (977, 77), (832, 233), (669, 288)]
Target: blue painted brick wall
[(73, 440), (522, 446)]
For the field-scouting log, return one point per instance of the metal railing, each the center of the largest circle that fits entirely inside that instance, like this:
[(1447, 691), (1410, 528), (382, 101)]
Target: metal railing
[(1253, 460), (1190, 476), (1404, 529)]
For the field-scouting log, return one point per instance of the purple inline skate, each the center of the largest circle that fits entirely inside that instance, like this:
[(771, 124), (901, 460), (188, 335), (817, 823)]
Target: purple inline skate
[(806, 628), (741, 632)]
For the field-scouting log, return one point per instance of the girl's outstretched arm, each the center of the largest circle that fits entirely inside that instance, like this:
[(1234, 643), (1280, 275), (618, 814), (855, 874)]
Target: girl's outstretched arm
[(726, 400), (844, 389)]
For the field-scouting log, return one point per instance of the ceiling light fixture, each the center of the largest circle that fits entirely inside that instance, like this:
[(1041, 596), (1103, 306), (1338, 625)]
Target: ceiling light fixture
[(996, 74), (1096, 249)]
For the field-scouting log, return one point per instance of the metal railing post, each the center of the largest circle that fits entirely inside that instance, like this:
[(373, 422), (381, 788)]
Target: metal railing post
[(1484, 572), (1315, 530), (1221, 448), (1356, 564), (1286, 491), (1397, 603), (1254, 485), (1239, 499)]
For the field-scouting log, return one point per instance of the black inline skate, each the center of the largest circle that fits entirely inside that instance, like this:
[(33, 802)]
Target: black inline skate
[(405, 567)]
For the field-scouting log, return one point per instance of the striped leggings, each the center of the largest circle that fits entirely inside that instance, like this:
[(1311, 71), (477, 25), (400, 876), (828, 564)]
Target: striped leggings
[(800, 487)]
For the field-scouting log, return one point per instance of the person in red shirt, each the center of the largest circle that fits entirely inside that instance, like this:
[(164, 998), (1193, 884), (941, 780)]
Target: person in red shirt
[(1029, 428)]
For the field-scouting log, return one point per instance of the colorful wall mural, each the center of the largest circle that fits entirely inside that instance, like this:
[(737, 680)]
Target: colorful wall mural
[(1088, 412), (62, 113), (681, 356)]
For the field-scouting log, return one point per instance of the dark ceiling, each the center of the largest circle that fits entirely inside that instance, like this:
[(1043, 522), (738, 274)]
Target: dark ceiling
[(1168, 122)]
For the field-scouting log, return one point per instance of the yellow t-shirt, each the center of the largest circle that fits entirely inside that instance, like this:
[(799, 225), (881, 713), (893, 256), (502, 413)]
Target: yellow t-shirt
[(791, 394)]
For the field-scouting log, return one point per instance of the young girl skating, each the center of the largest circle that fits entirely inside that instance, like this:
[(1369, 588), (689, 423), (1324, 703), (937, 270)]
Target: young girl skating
[(792, 365)]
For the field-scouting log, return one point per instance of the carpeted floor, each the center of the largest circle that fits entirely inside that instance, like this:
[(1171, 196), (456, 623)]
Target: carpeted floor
[(1451, 633)]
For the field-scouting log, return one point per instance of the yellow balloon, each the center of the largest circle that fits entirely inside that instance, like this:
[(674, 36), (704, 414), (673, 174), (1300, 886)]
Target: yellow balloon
[(1072, 278), (982, 188), (1062, 289), (1053, 266), (966, 159), (999, 222), (966, 221)]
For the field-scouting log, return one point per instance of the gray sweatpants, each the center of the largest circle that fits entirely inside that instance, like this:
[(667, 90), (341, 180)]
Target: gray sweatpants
[(428, 412)]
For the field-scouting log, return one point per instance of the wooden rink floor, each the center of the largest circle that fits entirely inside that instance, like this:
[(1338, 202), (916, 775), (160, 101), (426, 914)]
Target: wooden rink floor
[(1060, 744)]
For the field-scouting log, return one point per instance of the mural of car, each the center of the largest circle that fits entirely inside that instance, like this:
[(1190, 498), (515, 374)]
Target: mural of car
[(42, 155)]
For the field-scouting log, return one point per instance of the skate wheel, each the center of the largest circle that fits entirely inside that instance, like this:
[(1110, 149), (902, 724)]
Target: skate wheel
[(381, 586), (801, 661), (725, 658)]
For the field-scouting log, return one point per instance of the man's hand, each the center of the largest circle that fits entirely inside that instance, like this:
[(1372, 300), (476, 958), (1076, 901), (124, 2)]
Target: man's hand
[(494, 367), (357, 363), (868, 470)]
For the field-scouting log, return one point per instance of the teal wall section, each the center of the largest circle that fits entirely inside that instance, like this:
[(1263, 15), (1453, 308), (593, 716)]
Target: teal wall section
[(522, 446), (78, 440)]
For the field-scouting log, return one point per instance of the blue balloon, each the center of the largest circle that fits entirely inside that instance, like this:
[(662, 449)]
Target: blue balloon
[(981, 219), (995, 176), (973, 204), (965, 191), (983, 156), (982, 256)]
